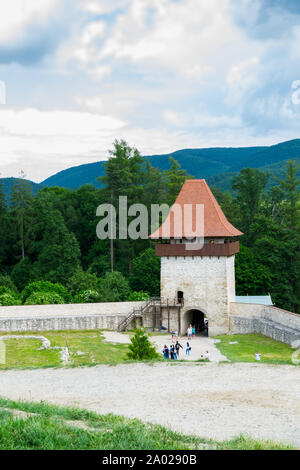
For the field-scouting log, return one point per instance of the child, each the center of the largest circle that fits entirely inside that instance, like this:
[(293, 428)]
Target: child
[(188, 349), (166, 352), (194, 331), (257, 356)]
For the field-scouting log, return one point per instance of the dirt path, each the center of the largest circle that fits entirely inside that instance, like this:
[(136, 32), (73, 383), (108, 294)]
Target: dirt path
[(210, 400), (199, 345)]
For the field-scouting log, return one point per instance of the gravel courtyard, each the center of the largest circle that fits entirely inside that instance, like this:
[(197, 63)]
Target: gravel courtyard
[(210, 400)]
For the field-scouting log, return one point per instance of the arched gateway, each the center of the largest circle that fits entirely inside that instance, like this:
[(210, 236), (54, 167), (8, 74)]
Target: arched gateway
[(197, 319), (200, 277)]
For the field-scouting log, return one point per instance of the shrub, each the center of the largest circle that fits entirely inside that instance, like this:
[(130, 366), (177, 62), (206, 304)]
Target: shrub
[(82, 281), (138, 296), (46, 287), (6, 281), (23, 273), (44, 298), (9, 298), (146, 273), (140, 347), (87, 296), (114, 288)]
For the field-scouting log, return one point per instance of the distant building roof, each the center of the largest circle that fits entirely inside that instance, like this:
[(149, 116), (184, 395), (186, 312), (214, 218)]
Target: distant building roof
[(192, 193), (254, 299)]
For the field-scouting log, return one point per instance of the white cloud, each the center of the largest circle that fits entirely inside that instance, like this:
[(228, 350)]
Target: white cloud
[(102, 7), (40, 142), (15, 14)]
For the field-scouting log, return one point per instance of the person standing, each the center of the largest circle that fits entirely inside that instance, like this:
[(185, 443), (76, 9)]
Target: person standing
[(194, 331), (187, 349), (177, 348), (189, 332)]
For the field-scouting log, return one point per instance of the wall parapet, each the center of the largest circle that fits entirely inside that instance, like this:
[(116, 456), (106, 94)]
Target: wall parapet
[(270, 321), (65, 316)]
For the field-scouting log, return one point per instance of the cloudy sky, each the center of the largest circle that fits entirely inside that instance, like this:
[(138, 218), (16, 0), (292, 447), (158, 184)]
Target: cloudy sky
[(163, 74)]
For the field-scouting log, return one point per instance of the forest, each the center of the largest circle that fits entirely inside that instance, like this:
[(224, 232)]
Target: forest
[(49, 251)]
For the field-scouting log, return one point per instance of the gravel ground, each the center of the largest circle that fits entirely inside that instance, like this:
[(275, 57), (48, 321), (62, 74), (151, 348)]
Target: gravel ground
[(211, 400), (199, 345)]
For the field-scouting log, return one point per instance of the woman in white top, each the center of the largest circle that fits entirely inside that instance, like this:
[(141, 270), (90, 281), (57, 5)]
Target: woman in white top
[(189, 332)]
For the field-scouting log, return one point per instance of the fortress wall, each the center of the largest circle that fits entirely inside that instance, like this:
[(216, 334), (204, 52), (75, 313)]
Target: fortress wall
[(65, 317), (273, 322)]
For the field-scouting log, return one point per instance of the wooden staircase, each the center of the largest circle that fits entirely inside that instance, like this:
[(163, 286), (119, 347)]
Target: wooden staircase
[(147, 308)]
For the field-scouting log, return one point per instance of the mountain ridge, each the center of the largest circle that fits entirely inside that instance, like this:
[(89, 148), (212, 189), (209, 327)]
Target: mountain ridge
[(217, 165)]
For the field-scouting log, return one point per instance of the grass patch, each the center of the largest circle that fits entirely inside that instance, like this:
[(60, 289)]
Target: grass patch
[(24, 353), (86, 348), (52, 428), (272, 352)]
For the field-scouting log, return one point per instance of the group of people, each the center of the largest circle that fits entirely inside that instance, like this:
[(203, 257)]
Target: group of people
[(174, 350)]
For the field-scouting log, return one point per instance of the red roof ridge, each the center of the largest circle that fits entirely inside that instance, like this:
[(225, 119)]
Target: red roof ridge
[(215, 221)]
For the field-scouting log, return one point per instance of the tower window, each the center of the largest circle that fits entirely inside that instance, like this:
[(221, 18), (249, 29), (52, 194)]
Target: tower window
[(180, 297)]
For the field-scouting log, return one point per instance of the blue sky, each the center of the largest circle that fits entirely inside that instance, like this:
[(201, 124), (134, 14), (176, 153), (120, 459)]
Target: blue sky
[(163, 74)]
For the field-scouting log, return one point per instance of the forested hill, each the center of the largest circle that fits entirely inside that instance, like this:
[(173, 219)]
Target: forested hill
[(216, 165)]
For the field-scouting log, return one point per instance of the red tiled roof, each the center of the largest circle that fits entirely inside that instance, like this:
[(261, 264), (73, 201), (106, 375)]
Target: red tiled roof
[(196, 192)]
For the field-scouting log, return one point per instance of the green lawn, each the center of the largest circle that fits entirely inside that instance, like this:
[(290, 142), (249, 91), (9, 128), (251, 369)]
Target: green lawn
[(272, 352), (54, 427), (86, 348)]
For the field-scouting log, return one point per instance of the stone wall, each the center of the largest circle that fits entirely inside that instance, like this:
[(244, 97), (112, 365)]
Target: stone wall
[(207, 284), (273, 322), (65, 317)]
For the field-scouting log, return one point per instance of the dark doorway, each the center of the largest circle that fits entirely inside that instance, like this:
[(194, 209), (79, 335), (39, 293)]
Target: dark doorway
[(198, 320), (180, 297)]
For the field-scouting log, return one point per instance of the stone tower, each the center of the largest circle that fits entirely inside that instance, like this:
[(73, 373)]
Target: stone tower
[(197, 280)]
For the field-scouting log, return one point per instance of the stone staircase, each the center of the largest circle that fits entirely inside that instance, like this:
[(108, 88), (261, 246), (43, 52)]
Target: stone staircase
[(146, 309)]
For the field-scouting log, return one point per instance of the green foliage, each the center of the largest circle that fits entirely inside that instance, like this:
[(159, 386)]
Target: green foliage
[(46, 287), (145, 274), (82, 281), (249, 186), (174, 179), (23, 273), (114, 288), (141, 348), (7, 282), (252, 277), (44, 298), (9, 298), (138, 296), (55, 230), (87, 296)]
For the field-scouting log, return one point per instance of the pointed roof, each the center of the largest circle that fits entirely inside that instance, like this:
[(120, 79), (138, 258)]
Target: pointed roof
[(196, 192)]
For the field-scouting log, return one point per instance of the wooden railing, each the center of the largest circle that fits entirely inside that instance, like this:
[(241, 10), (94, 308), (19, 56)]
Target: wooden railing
[(209, 249)]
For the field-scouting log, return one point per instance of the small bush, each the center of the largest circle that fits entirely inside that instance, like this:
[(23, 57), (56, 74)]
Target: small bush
[(9, 298), (6, 282), (140, 347), (114, 288), (82, 281), (87, 296), (138, 296), (46, 287), (44, 298)]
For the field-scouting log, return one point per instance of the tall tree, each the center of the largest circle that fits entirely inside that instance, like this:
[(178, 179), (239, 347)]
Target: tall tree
[(174, 179), (21, 200), (249, 186), (290, 188)]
